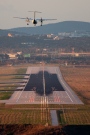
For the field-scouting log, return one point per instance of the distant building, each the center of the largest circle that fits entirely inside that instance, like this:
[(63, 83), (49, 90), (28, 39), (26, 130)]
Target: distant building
[(12, 56), (19, 53), (64, 34), (50, 35), (10, 35), (56, 38), (27, 55), (44, 49)]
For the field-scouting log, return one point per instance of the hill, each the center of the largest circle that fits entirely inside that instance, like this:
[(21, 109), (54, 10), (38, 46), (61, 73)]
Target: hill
[(3, 32), (66, 26)]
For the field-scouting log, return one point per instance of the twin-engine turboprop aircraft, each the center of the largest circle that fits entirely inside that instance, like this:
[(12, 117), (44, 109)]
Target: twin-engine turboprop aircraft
[(34, 20)]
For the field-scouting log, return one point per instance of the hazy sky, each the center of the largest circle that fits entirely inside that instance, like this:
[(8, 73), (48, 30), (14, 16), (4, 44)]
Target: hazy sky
[(62, 10)]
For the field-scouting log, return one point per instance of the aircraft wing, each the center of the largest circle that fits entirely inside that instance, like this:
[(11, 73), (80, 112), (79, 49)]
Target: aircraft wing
[(45, 19), (23, 18)]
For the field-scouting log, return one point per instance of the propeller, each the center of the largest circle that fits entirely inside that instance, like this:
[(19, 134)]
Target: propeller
[(41, 21)]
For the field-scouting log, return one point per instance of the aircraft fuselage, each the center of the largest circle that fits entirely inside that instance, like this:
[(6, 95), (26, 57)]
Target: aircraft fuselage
[(34, 22)]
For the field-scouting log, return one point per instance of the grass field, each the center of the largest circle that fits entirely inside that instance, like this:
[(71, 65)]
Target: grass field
[(9, 114), (10, 87), (78, 79), (33, 114), (76, 115), (5, 95), (11, 70)]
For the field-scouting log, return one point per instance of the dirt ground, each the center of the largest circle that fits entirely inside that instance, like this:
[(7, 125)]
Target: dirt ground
[(42, 130)]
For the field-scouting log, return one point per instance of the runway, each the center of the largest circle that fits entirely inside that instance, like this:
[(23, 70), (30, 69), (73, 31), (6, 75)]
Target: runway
[(45, 85)]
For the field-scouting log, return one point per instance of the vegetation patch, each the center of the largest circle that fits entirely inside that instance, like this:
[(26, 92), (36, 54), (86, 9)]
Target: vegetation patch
[(21, 70), (60, 117), (72, 116), (5, 95), (24, 116)]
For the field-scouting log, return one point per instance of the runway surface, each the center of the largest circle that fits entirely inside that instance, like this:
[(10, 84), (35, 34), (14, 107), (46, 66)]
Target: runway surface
[(45, 85)]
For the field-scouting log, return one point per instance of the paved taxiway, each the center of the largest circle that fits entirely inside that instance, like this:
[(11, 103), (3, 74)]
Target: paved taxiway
[(56, 97)]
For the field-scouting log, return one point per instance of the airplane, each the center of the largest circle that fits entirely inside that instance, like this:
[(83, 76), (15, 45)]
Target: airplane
[(35, 21)]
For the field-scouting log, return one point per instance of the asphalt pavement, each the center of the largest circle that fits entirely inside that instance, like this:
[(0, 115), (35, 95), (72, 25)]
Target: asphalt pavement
[(45, 85)]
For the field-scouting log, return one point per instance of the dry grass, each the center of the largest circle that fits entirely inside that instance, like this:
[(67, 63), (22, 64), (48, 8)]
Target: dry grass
[(74, 117), (27, 114), (11, 70), (79, 80), (10, 116), (7, 70)]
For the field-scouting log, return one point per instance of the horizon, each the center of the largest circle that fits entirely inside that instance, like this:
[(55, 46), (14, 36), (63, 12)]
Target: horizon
[(61, 10), (43, 25)]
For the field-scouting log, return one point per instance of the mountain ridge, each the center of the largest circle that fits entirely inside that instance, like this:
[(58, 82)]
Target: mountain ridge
[(55, 28)]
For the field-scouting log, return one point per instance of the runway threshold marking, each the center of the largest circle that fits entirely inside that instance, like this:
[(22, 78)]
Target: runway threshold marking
[(57, 99)]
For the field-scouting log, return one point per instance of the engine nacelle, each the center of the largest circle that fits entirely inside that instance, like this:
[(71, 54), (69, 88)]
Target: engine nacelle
[(27, 20)]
